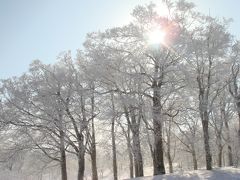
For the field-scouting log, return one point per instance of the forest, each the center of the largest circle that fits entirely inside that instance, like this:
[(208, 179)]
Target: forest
[(158, 95)]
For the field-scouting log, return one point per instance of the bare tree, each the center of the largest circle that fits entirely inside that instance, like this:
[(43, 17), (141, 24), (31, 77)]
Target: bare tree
[(233, 85)]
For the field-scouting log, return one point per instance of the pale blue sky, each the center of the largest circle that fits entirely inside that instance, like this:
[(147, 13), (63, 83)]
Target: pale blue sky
[(41, 29)]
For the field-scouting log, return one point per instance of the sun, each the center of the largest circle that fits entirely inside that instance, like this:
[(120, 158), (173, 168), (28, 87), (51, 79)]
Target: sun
[(156, 37)]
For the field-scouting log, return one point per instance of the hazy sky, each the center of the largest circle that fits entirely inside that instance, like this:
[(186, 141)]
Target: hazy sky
[(41, 29)]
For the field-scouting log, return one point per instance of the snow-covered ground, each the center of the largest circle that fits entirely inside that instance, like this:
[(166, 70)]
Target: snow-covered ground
[(227, 173)]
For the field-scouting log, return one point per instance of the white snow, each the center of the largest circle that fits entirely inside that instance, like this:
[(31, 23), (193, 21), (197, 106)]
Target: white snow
[(227, 173)]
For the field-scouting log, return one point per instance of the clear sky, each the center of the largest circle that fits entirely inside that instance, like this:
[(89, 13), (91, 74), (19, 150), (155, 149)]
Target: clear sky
[(41, 29)]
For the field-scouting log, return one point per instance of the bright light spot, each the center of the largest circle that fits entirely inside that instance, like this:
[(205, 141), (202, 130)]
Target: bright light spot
[(162, 9), (156, 37)]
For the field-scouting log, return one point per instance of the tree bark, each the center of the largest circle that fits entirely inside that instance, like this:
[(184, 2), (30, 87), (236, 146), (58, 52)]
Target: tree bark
[(63, 157), (204, 114), (208, 155), (220, 147), (219, 155), (115, 176), (236, 95), (169, 154), (93, 143), (169, 157), (138, 162), (94, 159), (130, 154), (205, 85), (158, 161), (230, 157), (114, 153), (62, 142), (81, 160), (219, 132), (195, 165), (229, 147), (169, 162), (234, 91), (128, 138), (238, 106)]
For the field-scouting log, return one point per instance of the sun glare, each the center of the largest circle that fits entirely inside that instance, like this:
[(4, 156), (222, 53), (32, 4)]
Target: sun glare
[(162, 9), (156, 37)]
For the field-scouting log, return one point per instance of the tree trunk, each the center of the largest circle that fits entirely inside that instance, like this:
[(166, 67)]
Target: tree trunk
[(238, 106), (81, 166), (206, 140), (81, 160), (130, 163), (229, 147), (170, 162), (220, 148), (128, 138), (62, 141), (204, 85), (158, 150), (94, 164), (130, 154), (195, 165), (93, 143), (169, 157), (219, 155), (158, 161), (169, 154), (137, 154), (235, 93), (115, 176), (63, 157), (114, 153), (230, 157), (138, 162)]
